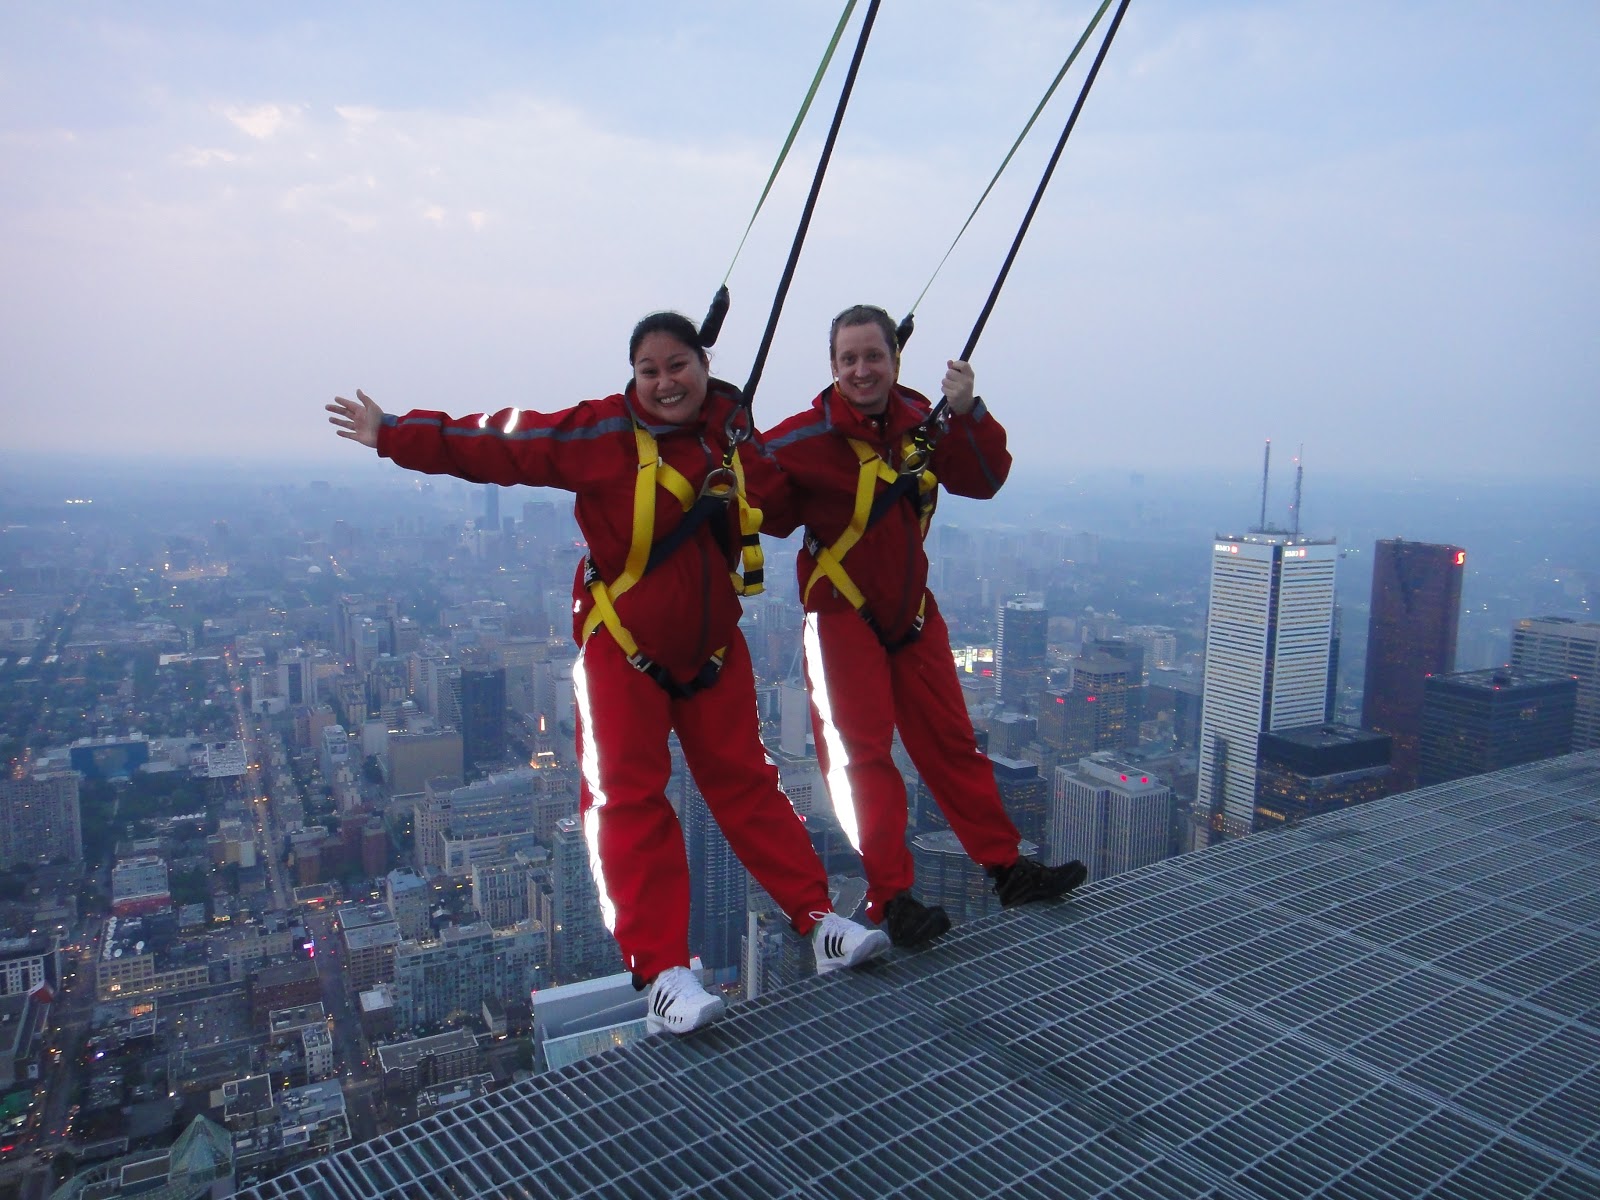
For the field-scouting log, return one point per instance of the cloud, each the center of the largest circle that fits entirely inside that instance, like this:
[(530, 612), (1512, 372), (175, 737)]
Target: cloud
[(194, 156), (358, 116), (262, 121), (1255, 225)]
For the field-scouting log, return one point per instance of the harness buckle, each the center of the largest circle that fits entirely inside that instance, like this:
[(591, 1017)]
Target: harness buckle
[(916, 459), (719, 483), (704, 678)]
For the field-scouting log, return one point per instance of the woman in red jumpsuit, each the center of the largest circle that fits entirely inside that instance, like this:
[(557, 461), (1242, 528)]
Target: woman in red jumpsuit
[(877, 651), (687, 669)]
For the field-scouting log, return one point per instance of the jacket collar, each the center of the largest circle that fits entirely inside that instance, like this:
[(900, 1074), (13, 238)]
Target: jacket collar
[(904, 412), (721, 399)]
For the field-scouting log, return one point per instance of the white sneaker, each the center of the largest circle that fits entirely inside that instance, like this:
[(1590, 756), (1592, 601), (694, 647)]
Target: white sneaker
[(678, 1004), (838, 942)]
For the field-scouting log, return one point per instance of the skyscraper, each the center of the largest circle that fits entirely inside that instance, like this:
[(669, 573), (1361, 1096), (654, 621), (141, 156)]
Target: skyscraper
[(1110, 816), (948, 878), (1019, 652), (40, 819), (1411, 634), (297, 677), (406, 894), (1562, 646), (483, 717), (455, 973), (491, 507), (1108, 683), (1479, 721), (1132, 654), (1267, 654), (581, 946), (1023, 793), (718, 882)]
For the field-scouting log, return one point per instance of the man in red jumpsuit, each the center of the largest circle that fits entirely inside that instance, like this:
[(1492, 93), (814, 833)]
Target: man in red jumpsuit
[(877, 651)]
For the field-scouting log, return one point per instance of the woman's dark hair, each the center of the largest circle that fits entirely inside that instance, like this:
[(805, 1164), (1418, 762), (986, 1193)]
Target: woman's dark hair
[(674, 325), (864, 314)]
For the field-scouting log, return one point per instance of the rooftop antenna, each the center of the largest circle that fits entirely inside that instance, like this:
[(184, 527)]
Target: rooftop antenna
[(1266, 465), (1294, 509)]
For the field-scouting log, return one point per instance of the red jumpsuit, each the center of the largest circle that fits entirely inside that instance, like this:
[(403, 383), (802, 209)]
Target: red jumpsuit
[(860, 689), (680, 614)]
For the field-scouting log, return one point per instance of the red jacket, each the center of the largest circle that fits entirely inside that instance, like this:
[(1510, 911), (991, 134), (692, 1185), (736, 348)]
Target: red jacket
[(685, 609), (888, 564)]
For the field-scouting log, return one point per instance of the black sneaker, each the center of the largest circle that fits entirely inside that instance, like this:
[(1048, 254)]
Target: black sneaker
[(911, 922), (1028, 879)]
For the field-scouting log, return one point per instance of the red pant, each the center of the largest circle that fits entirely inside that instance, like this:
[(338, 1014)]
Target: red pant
[(859, 693), (635, 842)]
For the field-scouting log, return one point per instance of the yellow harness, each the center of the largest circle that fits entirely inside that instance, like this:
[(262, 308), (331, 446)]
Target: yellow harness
[(830, 559), (721, 485)]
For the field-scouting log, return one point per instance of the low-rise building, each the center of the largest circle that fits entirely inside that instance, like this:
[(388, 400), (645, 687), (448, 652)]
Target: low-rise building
[(425, 1062), (130, 966), (139, 886), (287, 985)]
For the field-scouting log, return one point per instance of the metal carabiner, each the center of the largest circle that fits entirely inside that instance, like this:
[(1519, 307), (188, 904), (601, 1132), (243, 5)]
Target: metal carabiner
[(720, 483), (916, 461), (925, 438), (739, 425)]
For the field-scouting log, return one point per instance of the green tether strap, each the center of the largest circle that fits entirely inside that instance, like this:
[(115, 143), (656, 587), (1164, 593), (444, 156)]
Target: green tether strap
[(794, 130), (1051, 91)]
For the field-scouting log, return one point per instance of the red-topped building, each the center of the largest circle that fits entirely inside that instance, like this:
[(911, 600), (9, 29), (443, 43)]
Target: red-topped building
[(1416, 612)]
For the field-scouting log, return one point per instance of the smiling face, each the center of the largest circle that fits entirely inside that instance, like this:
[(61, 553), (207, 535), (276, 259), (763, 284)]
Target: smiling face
[(864, 366), (669, 379)]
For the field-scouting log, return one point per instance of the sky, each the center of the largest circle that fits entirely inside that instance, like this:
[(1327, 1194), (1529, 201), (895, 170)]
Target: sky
[(1368, 228)]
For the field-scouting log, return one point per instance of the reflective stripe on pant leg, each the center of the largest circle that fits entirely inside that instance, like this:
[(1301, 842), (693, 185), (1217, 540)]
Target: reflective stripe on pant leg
[(830, 741), (589, 761), (636, 846), (853, 703)]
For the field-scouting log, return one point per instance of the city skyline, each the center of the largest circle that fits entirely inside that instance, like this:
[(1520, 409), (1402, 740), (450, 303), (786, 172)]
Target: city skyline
[(1269, 222)]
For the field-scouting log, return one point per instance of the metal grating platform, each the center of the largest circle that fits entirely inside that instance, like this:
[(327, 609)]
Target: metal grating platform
[(1399, 1000)]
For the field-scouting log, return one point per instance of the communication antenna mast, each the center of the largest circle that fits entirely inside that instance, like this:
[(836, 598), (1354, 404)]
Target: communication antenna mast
[(1266, 466), (1294, 510)]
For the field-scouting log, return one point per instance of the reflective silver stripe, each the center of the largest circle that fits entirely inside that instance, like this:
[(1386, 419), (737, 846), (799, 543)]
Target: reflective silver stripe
[(590, 762), (844, 808)]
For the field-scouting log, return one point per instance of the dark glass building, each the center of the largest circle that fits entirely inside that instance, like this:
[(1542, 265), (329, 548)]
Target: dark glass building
[(483, 716), (1416, 610), (1024, 794), (1478, 721), (1317, 769)]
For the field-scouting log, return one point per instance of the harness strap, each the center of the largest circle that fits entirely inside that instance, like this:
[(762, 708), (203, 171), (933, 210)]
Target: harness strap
[(644, 554), (830, 559)]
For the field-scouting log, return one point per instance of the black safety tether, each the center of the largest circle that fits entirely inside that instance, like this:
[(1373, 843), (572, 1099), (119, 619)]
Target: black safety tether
[(712, 325), (749, 391), (927, 433)]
